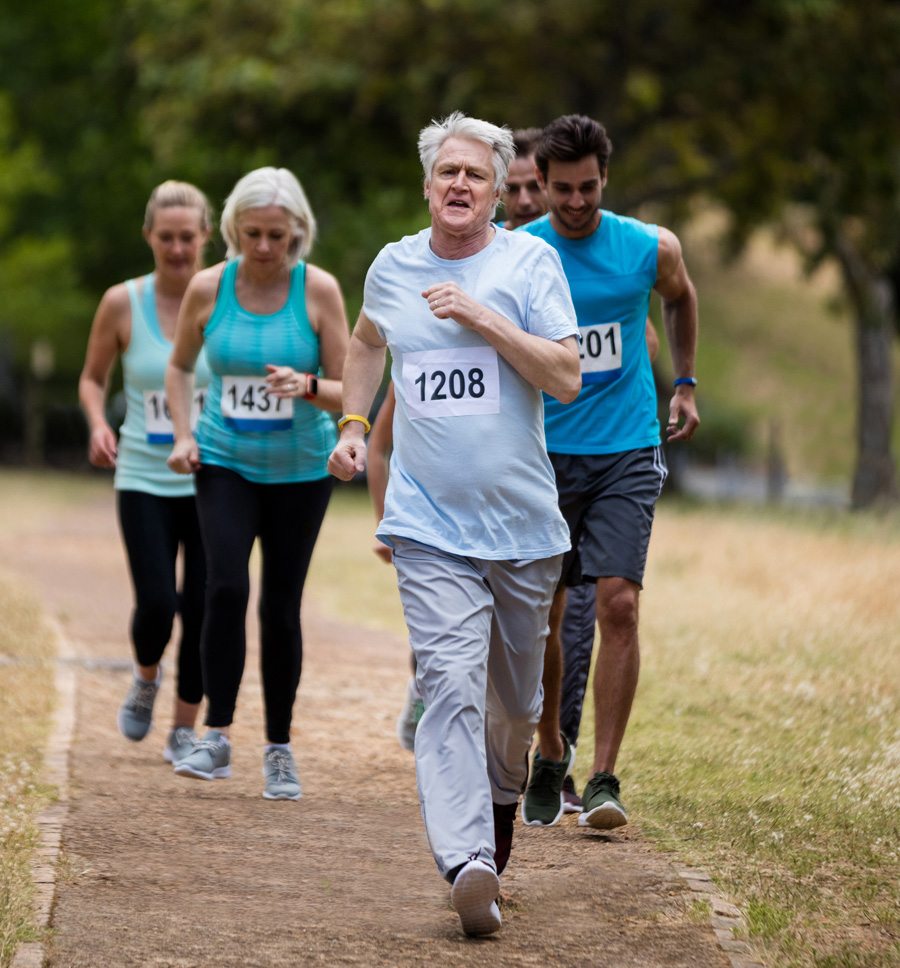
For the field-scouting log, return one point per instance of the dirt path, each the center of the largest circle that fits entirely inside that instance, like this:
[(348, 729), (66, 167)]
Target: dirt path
[(172, 873)]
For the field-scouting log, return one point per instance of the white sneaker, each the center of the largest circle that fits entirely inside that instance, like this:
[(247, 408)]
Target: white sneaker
[(474, 896)]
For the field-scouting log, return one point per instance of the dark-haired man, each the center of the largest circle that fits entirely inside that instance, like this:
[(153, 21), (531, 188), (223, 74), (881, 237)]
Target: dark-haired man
[(523, 198), (604, 446)]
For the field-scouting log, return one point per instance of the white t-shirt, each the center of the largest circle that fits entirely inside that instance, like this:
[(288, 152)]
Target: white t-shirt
[(469, 472)]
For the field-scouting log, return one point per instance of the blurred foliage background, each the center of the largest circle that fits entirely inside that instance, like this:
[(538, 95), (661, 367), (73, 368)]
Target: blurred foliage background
[(775, 114)]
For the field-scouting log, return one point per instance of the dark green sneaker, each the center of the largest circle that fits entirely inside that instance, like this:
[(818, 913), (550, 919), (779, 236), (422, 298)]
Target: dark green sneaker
[(601, 808), (543, 804), (408, 721)]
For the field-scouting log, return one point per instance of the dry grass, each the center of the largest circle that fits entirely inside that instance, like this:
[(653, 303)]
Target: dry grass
[(27, 651), (346, 579), (765, 741), (26, 698)]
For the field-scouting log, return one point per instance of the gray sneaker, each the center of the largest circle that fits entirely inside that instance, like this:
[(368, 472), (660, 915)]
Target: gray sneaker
[(280, 773), (135, 715), (179, 743), (210, 758)]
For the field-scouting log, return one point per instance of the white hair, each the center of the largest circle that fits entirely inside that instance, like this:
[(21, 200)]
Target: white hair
[(457, 125), (270, 186)]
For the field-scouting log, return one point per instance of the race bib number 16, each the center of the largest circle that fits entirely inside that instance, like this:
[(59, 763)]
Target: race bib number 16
[(157, 419), (451, 383), (246, 405)]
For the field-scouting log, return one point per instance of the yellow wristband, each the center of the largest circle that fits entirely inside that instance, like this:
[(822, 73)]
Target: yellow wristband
[(354, 416)]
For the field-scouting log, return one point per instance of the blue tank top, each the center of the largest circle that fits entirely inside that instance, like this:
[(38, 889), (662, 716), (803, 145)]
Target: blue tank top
[(610, 274), (263, 439), (145, 437)]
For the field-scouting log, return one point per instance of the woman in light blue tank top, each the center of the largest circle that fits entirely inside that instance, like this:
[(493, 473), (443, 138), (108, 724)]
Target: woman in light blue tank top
[(275, 334), (157, 513)]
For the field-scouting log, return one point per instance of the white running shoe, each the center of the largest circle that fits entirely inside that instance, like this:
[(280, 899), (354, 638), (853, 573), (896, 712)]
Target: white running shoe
[(474, 895)]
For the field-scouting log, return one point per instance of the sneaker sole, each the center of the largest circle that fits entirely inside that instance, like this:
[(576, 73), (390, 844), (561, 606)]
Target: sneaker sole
[(170, 757), (219, 773), (605, 817), (571, 807), (281, 796), (474, 896)]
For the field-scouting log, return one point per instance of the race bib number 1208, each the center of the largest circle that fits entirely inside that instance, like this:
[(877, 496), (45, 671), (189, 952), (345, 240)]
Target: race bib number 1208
[(451, 383)]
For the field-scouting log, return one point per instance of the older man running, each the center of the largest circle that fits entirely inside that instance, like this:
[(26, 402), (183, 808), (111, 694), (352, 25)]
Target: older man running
[(479, 321)]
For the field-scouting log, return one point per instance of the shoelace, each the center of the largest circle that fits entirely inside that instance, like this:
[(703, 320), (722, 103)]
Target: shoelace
[(183, 736), (207, 744), (143, 694), (280, 763), (544, 776)]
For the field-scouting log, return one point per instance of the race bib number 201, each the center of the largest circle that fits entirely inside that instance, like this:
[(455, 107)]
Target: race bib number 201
[(600, 349), (246, 405), (451, 383)]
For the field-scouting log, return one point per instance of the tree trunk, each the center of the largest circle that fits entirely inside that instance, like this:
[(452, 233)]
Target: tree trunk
[(875, 478)]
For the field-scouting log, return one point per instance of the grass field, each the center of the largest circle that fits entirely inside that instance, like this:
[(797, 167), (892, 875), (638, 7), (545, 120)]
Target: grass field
[(765, 740), (26, 698), (27, 652)]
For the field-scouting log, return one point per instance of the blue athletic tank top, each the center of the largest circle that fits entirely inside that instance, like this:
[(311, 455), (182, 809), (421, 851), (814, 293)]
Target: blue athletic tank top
[(610, 274), (263, 439), (145, 437)]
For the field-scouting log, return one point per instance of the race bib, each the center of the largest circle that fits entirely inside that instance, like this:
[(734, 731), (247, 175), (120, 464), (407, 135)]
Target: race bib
[(157, 419), (246, 405), (451, 383), (600, 349)]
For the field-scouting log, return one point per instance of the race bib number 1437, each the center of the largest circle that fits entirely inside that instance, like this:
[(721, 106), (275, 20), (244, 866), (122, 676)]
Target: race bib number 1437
[(246, 405), (451, 383)]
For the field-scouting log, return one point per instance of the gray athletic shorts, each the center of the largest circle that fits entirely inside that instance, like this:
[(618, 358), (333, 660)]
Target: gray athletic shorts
[(608, 502)]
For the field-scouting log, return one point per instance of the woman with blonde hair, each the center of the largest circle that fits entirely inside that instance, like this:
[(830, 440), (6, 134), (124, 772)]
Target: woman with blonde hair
[(136, 322), (270, 324)]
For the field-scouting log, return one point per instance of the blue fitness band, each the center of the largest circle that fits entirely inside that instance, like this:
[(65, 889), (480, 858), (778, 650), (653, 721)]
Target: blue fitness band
[(689, 380)]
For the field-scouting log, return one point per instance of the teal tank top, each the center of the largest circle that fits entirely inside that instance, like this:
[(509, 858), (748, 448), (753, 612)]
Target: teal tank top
[(145, 437), (611, 274), (265, 440)]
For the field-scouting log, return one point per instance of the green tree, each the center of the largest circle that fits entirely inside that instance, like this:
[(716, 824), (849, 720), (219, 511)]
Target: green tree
[(781, 109)]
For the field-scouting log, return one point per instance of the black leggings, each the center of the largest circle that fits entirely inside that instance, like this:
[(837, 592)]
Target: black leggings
[(152, 529), (286, 518)]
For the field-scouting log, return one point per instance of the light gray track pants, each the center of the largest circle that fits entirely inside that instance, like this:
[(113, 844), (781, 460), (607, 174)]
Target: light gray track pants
[(478, 630)]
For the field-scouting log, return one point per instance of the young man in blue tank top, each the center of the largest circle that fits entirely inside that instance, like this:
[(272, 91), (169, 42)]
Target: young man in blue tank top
[(604, 446)]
